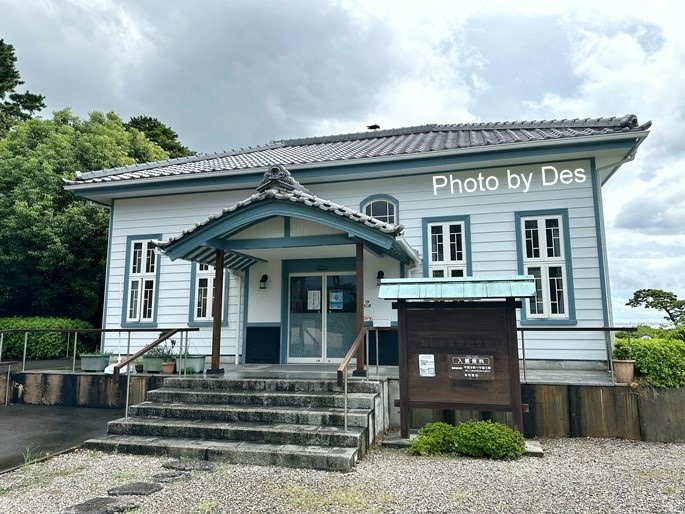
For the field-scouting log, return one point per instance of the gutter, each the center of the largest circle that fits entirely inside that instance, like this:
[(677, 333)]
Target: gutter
[(629, 157), (412, 253)]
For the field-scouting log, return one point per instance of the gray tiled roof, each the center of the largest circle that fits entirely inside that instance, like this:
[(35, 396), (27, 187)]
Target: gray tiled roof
[(407, 141)]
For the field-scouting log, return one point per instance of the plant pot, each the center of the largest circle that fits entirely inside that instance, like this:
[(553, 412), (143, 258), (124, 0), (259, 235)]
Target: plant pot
[(192, 363), (139, 368), (168, 368), (624, 371), (152, 364), (94, 362)]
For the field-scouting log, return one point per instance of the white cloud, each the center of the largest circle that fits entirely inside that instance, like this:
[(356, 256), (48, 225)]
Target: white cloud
[(230, 74)]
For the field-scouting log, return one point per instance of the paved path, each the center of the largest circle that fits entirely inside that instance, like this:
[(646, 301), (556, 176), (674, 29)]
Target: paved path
[(45, 429)]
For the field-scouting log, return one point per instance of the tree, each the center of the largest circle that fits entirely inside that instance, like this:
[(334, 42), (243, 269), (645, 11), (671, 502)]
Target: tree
[(14, 107), (660, 300), (159, 133), (52, 245)]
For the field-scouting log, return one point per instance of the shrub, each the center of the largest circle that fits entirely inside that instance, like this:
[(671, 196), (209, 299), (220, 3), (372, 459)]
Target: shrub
[(43, 345), (654, 333), (471, 438), (488, 439), (623, 350), (434, 438), (661, 362)]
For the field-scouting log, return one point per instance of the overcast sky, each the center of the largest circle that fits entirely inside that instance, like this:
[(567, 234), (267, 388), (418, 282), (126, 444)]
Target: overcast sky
[(228, 74)]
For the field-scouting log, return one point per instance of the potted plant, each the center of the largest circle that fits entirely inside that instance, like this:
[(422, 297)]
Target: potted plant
[(168, 367), (192, 363), (94, 361), (138, 365), (623, 361), (153, 360)]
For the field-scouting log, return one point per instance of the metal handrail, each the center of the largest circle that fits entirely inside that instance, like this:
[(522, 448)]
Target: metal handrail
[(169, 332), (76, 332), (342, 369), (145, 349), (606, 330)]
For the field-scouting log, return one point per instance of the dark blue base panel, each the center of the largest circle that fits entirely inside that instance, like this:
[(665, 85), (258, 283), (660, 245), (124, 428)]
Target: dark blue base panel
[(263, 345), (387, 347)]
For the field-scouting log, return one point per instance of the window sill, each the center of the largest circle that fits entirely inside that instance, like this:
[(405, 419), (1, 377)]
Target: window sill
[(548, 321)]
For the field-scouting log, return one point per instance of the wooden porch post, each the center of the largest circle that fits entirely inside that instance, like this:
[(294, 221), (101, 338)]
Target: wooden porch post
[(216, 312), (360, 305)]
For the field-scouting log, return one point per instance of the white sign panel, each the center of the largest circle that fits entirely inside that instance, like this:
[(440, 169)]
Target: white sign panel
[(427, 365)]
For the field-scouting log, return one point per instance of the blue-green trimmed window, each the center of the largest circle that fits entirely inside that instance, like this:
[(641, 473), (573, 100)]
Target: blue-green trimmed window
[(544, 255), (204, 293), (142, 277), (447, 246), (202, 296), (381, 207), (447, 249)]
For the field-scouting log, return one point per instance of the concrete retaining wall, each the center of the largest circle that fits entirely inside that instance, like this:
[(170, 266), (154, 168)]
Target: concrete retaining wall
[(554, 410), (79, 389)]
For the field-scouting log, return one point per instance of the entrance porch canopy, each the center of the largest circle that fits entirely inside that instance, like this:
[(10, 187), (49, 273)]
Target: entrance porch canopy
[(279, 195)]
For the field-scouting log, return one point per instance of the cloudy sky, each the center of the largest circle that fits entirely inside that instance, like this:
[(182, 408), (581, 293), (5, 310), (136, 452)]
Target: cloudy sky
[(228, 74)]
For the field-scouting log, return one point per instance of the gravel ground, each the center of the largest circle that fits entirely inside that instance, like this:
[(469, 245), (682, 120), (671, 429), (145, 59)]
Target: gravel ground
[(574, 476)]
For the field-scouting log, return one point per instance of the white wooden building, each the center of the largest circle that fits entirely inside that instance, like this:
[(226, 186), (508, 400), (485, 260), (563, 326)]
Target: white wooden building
[(291, 218)]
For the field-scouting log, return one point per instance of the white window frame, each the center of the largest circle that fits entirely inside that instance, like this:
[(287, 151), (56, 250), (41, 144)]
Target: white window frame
[(204, 272), (207, 273), (141, 298), (389, 203), (543, 261), (452, 264)]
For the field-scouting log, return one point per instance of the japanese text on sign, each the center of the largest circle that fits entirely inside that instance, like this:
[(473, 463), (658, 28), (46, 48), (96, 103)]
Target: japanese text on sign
[(472, 367)]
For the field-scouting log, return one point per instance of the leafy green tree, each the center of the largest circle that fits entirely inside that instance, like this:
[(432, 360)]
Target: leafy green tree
[(14, 107), (52, 245), (662, 301), (159, 133)]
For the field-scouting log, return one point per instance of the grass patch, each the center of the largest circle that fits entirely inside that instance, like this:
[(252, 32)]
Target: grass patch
[(461, 497), (206, 507), (125, 476), (348, 499)]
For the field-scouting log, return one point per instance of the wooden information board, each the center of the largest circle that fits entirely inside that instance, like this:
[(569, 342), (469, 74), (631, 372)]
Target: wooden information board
[(458, 356)]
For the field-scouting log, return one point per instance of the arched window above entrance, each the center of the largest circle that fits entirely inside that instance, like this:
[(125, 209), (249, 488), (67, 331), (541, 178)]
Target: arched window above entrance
[(381, 207)]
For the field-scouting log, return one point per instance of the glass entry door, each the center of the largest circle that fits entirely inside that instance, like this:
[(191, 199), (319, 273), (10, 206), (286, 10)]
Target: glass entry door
[(322, 316)]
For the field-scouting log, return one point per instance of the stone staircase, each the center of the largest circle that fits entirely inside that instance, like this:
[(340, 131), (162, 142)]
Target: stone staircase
[(278, 422)]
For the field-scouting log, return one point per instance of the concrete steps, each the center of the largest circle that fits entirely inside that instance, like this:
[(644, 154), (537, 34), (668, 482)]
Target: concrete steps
[(296, 423), (266, 398), (329, 458), (272, 433)]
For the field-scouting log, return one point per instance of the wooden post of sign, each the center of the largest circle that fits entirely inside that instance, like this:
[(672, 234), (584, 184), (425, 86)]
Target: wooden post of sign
[(403, 368), (216, 313), (514, 377), (360, 371)]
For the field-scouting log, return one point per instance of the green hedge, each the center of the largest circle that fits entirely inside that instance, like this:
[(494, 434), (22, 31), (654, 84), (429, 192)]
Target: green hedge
[(471, 438), (660, 361), (44, 345)]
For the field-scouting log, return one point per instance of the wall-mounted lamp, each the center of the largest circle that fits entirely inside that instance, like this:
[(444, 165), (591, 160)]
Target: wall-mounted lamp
[(262, 281), (379, 277)]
